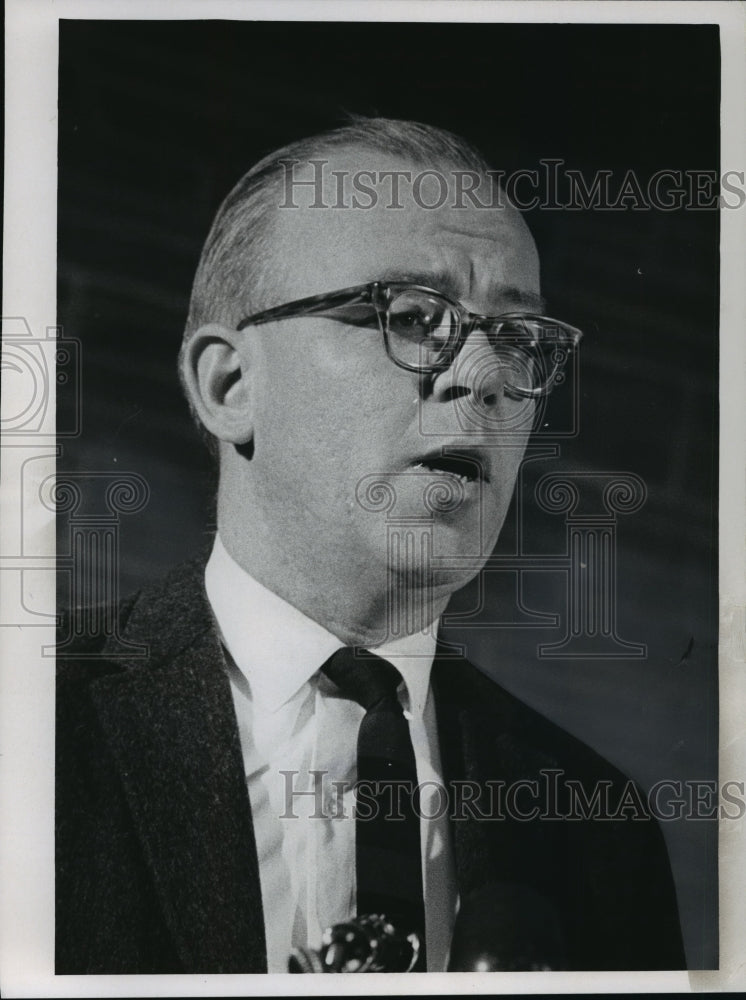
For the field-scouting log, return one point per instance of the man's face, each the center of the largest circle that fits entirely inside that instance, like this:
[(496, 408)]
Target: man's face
[(334, 416)]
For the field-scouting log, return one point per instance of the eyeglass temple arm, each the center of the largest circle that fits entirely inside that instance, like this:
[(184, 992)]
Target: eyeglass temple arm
[(315, 305)]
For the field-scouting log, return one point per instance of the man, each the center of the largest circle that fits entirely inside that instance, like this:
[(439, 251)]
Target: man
[(369, 415)]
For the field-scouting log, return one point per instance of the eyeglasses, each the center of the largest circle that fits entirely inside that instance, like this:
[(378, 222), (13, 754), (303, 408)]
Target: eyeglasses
[(424, 330)]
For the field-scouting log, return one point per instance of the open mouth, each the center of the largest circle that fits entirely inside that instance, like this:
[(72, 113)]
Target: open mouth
[(469, 468)]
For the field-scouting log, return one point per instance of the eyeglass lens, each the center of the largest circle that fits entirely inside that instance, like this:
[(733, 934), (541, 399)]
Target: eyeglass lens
[(422, 329)]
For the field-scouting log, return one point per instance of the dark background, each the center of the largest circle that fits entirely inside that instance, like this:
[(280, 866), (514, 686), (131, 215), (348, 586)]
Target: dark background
[(159, 119)]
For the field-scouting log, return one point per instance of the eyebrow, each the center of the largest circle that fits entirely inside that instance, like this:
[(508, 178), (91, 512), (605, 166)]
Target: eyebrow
[(444, 281)]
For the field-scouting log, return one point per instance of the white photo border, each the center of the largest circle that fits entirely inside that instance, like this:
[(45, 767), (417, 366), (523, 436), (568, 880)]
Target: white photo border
[(27, 707)]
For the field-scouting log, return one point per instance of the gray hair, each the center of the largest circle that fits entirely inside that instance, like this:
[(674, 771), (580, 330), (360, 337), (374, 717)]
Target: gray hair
[(236, 262)]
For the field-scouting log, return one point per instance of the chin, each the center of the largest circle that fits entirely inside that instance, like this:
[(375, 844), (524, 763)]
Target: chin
[(441, 556), (443, 575)]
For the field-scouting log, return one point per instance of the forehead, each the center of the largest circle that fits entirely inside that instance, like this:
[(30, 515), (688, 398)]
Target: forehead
[(351, 227)]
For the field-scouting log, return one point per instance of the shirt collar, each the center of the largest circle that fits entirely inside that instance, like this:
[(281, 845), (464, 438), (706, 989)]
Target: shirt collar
[(278, 648), (413, 656)]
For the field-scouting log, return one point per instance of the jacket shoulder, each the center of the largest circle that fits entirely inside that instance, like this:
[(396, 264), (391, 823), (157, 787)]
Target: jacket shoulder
[(565, 822), (147, 624), (519, 733)]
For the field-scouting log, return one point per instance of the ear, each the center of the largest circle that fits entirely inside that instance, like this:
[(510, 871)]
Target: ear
[(217, 377)]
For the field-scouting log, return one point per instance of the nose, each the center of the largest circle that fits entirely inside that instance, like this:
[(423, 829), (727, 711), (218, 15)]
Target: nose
[(476, 382)]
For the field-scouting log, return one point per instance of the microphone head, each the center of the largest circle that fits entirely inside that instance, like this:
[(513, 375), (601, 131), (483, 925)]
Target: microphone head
[(505, 927), (368, 943)]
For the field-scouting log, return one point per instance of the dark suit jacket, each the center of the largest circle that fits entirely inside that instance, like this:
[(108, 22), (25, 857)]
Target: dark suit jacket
[(156, 860)]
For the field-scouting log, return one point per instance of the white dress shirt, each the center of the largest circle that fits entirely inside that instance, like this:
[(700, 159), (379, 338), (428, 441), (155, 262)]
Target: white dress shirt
[(298, 736)]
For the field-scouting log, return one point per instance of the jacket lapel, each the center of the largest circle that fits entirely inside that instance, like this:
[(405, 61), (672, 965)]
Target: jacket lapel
[(461, 762), (169, 721), (487, 741)]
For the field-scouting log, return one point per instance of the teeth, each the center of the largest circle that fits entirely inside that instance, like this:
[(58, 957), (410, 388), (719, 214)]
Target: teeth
[(433, 466)]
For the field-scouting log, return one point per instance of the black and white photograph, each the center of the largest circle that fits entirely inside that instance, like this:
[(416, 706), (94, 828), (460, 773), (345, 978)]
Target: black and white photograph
[(372, 527)]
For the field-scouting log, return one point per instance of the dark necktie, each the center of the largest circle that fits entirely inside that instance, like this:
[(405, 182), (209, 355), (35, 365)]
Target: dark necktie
[(387, 828)]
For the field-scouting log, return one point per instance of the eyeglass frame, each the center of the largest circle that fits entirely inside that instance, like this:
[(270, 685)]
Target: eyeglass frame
[(379, 295)]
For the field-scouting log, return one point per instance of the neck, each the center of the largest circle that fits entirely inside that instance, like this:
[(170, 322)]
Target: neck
[(359, 602)]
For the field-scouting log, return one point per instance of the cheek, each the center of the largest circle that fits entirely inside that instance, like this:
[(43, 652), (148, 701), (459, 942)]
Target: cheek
[(341, 391), (330, 424)]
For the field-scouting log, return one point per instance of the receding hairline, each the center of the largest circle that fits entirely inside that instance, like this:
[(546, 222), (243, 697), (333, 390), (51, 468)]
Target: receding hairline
[(250, 201)]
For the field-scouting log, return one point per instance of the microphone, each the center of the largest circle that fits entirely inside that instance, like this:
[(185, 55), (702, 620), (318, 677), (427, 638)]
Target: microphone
[(501, 927), (506, 927), (369, 943)]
